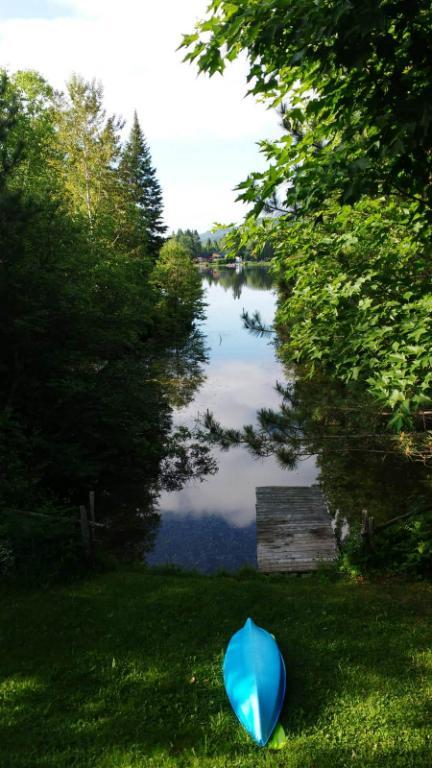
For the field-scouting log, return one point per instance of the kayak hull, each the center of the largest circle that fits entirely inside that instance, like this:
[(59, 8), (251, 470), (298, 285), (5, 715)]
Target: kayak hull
[(255, 680)]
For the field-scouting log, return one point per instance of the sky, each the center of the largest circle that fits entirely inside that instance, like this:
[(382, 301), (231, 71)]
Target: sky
[(202, 132)]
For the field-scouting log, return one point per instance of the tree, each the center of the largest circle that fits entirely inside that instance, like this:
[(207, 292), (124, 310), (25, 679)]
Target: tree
[(190, 240), (10, 148), (89, 372), (178, 283), (82, 396), (356, 304), (139, 176), (35, 132), (89, 153), (347, 192), (356, 76)]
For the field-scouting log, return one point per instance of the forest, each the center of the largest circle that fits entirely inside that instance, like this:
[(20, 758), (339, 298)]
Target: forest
[(215, 449), (350, 182), (345, 202), (100, 308), (96, 304)]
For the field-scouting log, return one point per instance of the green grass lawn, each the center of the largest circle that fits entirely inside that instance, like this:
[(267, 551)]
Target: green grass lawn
[(125, 671)]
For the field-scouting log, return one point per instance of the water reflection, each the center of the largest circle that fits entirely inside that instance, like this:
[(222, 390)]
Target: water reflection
[(127, 505), (360, 461), (181, 369), (235, 278), (192, 516), (240, 378), (206, 544)]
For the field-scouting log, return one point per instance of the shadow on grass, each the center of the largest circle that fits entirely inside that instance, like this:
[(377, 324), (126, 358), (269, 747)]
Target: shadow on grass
[(125, 670)]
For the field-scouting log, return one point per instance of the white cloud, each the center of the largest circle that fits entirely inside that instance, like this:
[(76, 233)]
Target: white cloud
[(225, 392), (131, 47), (230, 493), (199, 203)]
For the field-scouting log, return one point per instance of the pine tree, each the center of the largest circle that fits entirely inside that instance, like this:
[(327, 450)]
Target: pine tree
[(190, 240), (139, 175)]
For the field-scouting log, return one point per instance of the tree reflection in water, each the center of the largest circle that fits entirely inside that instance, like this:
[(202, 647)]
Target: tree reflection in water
[(361, 462), (234, 279), (127, 506), (181, 369)]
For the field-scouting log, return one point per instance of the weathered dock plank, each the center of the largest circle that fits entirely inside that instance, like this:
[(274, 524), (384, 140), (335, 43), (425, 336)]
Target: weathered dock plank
[(294, 531)]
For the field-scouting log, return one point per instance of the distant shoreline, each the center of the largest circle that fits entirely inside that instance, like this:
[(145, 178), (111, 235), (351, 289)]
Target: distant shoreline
[(233, 264)]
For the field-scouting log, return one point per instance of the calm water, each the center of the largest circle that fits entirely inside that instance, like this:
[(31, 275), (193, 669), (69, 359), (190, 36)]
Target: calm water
[(210, 525)]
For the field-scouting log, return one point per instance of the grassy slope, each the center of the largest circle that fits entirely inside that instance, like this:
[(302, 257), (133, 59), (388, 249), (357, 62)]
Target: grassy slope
[(124, 671)]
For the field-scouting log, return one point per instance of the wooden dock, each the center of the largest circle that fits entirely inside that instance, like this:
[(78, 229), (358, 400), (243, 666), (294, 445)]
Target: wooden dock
[(294, 531)]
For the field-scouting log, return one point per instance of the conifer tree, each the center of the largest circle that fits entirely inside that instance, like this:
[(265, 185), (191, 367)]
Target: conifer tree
[(140, 177), (190, 240)]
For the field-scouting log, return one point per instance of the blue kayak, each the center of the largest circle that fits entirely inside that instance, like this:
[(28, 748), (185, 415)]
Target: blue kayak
[(254, 676)]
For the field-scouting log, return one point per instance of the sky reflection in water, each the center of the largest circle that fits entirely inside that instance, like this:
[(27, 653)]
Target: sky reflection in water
[(211, 525)]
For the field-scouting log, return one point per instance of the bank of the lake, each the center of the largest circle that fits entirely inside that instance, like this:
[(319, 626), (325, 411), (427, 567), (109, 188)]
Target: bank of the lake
[(207, 522), (124, 671)]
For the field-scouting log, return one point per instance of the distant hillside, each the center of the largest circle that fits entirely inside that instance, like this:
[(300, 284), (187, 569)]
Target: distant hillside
[(218, 235)]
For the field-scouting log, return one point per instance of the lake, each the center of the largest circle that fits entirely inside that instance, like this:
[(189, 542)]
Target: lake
[(341, 439), (210, 525)]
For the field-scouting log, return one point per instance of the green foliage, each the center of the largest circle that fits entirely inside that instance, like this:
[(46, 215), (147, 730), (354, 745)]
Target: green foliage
[(83, 324), (404, 547), (346, 198), (89, 152), (356, 78), (178, 284), (248, 242), (7, 559), (9, 150), (355, 302), (34, 132), (212, 247), (42, 550), (190, 239), (139, 177)]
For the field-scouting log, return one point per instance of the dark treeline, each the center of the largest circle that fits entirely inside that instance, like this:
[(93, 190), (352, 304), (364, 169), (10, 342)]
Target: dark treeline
[(190, 239), (94, 305), (225, 247)]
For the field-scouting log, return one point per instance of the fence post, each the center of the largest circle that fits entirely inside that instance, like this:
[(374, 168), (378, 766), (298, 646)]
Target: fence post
[(367, 529), (92, 506), (365, 524), (371, 532), (85, 530)]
